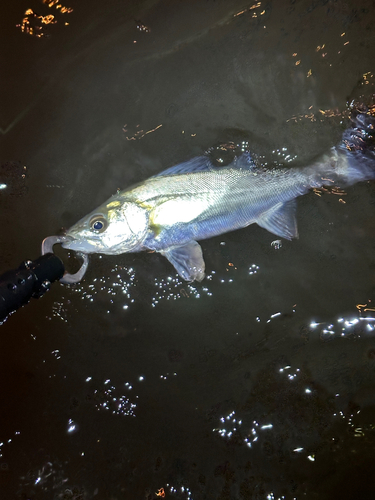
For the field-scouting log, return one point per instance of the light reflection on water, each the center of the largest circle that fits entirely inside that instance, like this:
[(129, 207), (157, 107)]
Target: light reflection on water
[(342, 327), (181, 491), (234, 426), (8, 441), (35, 23), (120, 287), (113, 399), (239, 427)]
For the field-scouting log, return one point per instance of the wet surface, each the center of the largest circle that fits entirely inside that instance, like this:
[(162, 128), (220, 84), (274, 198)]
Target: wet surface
[(258, 383)]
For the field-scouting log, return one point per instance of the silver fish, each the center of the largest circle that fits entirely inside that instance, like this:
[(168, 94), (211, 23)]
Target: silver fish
[(192, 201)]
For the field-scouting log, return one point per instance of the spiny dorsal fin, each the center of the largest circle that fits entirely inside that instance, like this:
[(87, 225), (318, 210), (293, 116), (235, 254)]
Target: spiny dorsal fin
[(197, 164), (204, 164)]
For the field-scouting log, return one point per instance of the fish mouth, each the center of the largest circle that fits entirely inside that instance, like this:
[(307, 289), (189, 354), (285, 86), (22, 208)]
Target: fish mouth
[(77, 245), (47, 247)]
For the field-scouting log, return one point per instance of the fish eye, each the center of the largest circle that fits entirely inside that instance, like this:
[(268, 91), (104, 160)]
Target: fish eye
[(98, 223)]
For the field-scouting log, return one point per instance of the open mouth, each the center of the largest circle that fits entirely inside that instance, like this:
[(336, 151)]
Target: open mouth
[(47, 247)]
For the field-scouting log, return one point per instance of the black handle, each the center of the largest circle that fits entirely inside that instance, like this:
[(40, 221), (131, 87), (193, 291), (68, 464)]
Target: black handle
[(31, 279)]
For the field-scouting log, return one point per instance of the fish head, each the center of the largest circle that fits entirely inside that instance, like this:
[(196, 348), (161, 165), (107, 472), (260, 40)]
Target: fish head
[(113, 228)]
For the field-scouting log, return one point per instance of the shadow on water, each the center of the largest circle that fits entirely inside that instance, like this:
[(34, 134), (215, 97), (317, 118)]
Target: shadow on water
[(257, 383)]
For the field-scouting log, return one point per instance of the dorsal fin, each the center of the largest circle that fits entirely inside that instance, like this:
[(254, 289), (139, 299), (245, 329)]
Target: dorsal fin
[(197, 164), (244, 161), (204, 164)]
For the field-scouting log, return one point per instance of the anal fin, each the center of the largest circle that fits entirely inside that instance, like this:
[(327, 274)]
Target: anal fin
[(281, 220)]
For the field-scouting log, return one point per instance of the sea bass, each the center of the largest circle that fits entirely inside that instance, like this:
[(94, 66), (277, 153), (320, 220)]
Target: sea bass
[(170, 212)]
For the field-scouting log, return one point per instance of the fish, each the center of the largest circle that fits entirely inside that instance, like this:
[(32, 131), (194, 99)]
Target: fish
[(195, 200)]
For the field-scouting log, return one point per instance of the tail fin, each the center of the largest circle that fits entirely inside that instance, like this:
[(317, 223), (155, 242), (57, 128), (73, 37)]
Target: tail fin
[(358, 146)]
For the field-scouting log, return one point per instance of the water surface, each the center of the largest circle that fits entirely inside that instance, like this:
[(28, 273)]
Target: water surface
[(259, 382)]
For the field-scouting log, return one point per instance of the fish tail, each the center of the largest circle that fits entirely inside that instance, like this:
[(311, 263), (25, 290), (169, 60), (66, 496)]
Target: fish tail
[(356, 152)]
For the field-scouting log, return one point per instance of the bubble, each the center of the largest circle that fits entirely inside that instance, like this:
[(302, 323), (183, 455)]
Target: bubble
[(277, 244)]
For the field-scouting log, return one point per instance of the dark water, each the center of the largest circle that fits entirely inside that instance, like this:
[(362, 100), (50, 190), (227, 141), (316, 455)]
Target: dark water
[(258, 383)]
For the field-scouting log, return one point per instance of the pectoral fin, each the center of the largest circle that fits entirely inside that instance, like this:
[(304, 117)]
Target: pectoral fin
[(281, 220), (187, 260)]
